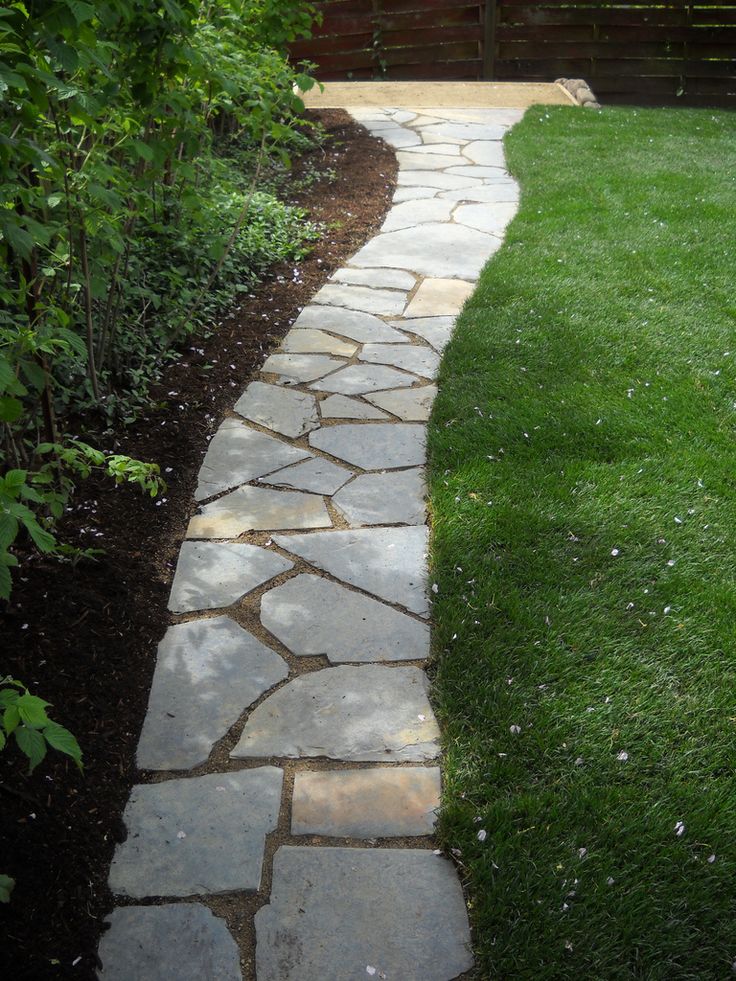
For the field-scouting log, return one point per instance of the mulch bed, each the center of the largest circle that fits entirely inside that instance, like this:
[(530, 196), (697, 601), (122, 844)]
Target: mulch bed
[(84, 637)]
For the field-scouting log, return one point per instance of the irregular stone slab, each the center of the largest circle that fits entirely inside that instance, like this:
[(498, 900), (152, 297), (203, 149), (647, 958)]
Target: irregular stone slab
[(201, 835), (357, 714), (403, 194), (402, 116), (424, 178), (493, 175), (360, 327), (334, 912), (428, 137), (258, 509), (384, 499), (317, 476), (317, 342), (301, 367), (357, 379), (400, 137), (439, 298), (363, 298), (388, 562), (394, 279), (237, 454), (289, 413), (431, 250), (342, 407), (157, 943), (466, 131), (210, 575), (420, 360), (492, 117), (208, 672), (491, 219), (434, 330), (374, 446), (425, 161), (493, 193), (411, 405), (315, 616), (374, 803), (487, 153), (448, 149), (412, 213)]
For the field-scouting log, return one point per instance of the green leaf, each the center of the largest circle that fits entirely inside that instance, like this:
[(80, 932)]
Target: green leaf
[(8, 530), (43, 540), (11, 719), (6, 582), (10, 409), (32, 711), (62, 740), (32, 744), (6, 887)]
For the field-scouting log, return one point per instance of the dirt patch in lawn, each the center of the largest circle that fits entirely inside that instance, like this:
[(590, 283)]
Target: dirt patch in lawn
[(84, 637)]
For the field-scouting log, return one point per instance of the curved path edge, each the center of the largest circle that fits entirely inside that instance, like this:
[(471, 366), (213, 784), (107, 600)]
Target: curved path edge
[(290, 755)]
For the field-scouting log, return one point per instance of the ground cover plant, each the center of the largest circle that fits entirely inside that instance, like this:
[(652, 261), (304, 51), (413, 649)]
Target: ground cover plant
[(583, 473)]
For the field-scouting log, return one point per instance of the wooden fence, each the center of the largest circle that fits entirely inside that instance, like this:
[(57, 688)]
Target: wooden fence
[(640, 51)]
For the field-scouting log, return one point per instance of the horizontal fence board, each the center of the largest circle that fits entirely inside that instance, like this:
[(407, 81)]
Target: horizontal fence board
[(542, 16)]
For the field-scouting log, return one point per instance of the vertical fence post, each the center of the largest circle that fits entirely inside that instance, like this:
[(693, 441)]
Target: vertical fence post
[(489, 40)]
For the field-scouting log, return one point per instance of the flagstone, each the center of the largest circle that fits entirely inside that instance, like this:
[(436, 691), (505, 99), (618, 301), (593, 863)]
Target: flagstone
[(237, 454), (289, 413), (197, 836), (395, 279), (495, 117), (448, 149), (317, 476), (385, 802), (429, 137), (412, 213), (335, 912), (403, 116), (390, 563), (342, 407), (487, 153), (364, 713), (430, 178), (258, 509), (210, 575), (317, 342), (185, 941), (301, 367), (314, 616), (439, 298), (487, 194), (485, 218), (412, 357), (425, 161), (400, 137), (360, 327), (208, 672), (363, 298), (373, 446), (404, 194), (384, 499), (466, 131), (439, 250), (436, 331), (357, 379), (495, 175), (411, 405)]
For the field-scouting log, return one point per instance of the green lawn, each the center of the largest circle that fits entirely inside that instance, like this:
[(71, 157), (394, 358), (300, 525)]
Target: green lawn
[(583, 484)]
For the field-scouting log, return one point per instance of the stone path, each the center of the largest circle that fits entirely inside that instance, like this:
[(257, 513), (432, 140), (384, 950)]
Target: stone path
[(290, 750)]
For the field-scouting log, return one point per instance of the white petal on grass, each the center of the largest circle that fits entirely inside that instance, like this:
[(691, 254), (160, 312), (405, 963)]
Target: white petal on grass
[(680, 829), (515, 730), (711, 859), (482, 835), (623, 756)]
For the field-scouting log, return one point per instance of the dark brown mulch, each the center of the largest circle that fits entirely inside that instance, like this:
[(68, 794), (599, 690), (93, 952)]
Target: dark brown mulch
[(84, 637)]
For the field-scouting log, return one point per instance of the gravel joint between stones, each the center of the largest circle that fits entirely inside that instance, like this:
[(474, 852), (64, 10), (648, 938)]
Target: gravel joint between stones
[(312, 503)]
